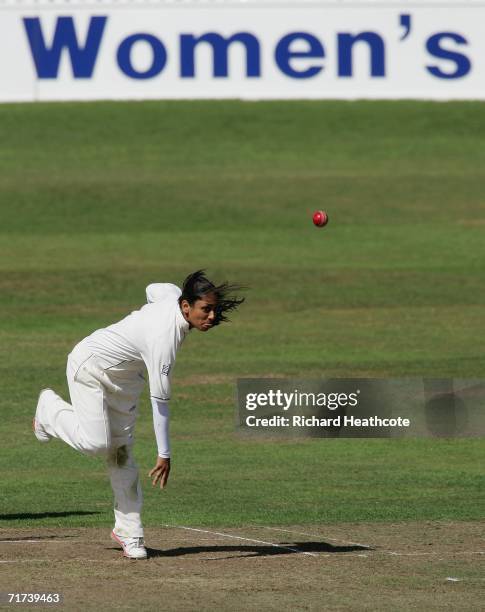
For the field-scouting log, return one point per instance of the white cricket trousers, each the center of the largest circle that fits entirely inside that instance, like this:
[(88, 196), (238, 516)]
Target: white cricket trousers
[(100, 421)]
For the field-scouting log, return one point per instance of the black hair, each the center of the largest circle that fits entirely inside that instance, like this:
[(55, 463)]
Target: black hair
[(197, 285)]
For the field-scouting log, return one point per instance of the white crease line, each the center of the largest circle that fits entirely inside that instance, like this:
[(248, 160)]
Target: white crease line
[(463, 552), (23, 561), (35, 541), (416, 554), (226, 535), (54, 561), (312, 535)]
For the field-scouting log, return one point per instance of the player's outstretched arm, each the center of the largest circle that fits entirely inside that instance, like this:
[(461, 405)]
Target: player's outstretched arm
[(161, 419)]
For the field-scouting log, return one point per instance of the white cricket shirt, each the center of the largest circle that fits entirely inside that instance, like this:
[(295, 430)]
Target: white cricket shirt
[(151, 335)]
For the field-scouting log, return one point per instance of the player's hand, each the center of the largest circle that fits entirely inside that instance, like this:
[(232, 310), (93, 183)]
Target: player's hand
[(159, 474)]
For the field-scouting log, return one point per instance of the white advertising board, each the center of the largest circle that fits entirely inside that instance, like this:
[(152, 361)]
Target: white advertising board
[(153, 50)]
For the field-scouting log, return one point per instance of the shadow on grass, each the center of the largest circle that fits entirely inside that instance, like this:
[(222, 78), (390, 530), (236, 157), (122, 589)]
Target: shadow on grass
[(257, 551), (42, 515)]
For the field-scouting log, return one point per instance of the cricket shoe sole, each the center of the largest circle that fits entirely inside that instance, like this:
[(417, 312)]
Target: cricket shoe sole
[(133, 548), (39, 431)]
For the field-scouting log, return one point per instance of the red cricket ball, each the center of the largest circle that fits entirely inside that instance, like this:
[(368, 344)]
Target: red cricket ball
[(320, 218)]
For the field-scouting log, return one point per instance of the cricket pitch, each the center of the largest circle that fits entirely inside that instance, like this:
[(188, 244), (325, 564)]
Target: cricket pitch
[(428, 565)]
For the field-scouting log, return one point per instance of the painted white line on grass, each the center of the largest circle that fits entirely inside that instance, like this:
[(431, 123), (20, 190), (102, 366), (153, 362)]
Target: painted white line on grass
[(54, 560), (417, 554), (313, 535), (234, 537), (35, 541), (469, 552), (399, 554), (23, 560)]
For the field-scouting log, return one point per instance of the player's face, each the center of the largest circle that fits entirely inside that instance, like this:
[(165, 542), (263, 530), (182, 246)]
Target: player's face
[(202, 313)]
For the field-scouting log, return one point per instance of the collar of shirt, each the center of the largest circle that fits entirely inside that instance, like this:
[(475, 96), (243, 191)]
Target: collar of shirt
[(182, 322)]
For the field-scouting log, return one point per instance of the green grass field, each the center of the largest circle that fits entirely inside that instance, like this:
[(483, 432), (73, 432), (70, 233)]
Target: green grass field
[(98, 200)]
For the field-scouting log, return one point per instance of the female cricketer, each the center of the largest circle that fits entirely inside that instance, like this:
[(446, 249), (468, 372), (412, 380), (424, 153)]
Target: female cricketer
[(106, 375)]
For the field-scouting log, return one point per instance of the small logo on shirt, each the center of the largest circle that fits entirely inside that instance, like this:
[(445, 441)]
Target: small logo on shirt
[(166, 369)]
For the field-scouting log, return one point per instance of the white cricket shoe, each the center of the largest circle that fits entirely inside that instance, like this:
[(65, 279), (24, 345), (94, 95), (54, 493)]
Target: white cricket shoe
[(39, 431), (133, 548)]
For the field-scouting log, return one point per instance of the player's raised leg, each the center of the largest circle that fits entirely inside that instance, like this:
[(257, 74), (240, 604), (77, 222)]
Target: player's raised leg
[(83, 424)]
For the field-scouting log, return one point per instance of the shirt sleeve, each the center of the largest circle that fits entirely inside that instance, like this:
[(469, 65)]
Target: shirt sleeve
[(161, 341), (161, 419), (159, 367), (159, 356)]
